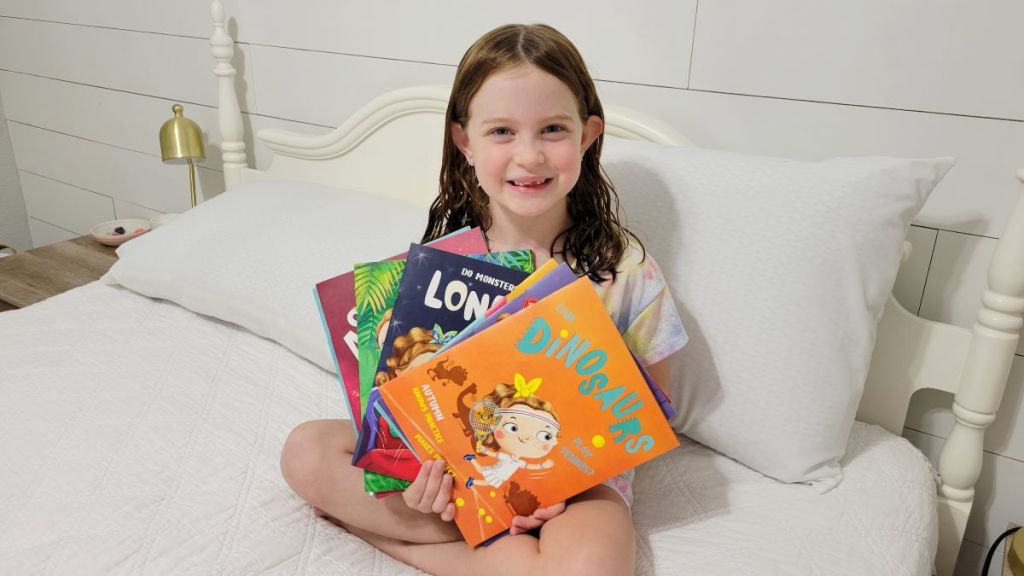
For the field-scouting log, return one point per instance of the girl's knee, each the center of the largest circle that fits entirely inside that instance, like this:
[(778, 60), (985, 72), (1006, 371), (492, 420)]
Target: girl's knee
[(301, 456)]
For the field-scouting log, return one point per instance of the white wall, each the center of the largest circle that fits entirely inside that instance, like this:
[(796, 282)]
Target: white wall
[(13, 220), (87, 86)]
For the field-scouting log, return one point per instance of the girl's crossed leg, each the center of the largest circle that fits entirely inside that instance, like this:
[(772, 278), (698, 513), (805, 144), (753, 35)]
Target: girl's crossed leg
[(593, 536)]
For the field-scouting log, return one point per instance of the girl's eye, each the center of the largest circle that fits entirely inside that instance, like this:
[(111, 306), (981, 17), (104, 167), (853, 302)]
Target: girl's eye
[(554, 128), (511, 427), (501, 132), (544, 436)]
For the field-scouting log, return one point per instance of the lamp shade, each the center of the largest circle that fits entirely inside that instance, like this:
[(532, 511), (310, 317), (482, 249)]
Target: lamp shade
[(181, 139)]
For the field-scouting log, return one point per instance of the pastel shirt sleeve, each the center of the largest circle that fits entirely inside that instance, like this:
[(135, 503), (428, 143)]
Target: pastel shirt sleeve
[(644, 311)]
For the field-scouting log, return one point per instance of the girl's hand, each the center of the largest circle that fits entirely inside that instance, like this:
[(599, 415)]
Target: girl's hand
[(431, 491), (521, 524)]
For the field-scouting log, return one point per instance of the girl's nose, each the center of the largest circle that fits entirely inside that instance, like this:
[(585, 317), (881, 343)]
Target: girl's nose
[(529, 154)]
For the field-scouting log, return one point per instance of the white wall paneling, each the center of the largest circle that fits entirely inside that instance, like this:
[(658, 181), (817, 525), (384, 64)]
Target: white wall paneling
[(123, 209), (953, 56), (181, 17), (103, 115), (913, 273), (657, 33), (65, 206), (44, 233), (976, 196), (121, 119), (14, 230), (958, 279), (172, 67), (116, 172), (325, 81)]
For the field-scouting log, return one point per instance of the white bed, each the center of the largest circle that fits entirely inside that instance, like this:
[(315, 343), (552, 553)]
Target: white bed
[(140, 437), (123, 459)]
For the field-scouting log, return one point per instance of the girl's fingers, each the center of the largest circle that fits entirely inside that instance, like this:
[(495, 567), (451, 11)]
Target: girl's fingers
[(414, 493), (444, 493), (449, 513), (522, 524), (433, 485), (549, 512)]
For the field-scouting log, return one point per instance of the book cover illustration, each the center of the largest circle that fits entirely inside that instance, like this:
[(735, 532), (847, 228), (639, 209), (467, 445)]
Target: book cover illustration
[(439, 295), (557, 277), (336, 302), (376, 289), (547, 403)]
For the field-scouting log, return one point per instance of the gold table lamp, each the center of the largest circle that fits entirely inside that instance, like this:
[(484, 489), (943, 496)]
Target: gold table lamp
[(181, 141)]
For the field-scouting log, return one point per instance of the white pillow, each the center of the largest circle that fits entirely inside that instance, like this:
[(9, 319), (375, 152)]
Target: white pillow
[(252, 255), (780, 270)]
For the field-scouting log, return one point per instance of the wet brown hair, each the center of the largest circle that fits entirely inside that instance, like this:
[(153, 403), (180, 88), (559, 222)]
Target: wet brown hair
[(596, 239)]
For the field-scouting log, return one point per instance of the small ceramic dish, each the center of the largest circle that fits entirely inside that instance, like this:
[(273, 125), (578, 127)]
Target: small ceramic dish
[(107, 232)]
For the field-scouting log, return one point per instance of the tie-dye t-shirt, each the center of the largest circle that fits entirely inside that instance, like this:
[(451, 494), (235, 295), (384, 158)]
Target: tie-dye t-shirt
[(642, 307)]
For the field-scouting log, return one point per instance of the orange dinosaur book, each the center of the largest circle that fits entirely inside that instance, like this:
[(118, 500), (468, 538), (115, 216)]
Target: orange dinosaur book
[(530, 411)]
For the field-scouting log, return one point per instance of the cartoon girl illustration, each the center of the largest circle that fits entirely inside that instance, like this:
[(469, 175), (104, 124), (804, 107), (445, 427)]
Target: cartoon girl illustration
[(511, 424), (408, 351), (382, 328)]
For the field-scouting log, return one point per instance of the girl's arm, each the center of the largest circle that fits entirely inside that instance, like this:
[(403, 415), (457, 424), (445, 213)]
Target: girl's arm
[(661, 373)]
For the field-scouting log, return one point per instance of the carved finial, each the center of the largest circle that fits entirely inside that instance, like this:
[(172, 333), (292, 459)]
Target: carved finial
[(217, 12)]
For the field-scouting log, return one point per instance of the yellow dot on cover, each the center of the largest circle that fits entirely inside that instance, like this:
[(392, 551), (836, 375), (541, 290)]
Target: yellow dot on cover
[(493, 494), (460, 502), (564, 333), (481, 512), (488, 519), (597, 441)]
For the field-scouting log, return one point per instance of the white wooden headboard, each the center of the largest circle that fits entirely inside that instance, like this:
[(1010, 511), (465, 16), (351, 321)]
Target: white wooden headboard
[(403, 128)]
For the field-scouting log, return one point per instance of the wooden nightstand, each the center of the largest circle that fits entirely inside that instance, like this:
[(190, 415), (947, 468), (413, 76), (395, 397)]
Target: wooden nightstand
[(28, 277)]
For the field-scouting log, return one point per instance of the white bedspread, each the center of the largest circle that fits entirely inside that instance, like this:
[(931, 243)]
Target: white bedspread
[(139, 438)]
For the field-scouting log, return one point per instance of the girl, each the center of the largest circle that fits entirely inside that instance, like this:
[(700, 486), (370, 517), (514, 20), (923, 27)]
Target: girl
[(521, 160)]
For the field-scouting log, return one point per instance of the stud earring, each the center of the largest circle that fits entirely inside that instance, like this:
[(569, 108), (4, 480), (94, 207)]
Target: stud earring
[(469, 160)]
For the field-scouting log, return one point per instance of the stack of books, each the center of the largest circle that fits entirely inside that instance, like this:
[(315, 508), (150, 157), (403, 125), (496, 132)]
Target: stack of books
[(517, 377)]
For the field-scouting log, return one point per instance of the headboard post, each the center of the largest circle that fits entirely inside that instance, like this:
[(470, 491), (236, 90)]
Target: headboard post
[(229, 115), (983, 380)]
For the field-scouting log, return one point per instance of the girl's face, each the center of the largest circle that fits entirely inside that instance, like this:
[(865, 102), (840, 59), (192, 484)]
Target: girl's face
[(526, 435), (526, 140)]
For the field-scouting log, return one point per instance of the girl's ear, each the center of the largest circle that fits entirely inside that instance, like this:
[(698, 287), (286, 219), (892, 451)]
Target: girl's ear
[(593, 128), (460, 138)]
